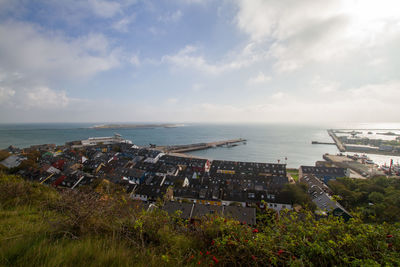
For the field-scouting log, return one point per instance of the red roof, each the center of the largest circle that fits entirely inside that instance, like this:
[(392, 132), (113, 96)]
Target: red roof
[(59, 180)]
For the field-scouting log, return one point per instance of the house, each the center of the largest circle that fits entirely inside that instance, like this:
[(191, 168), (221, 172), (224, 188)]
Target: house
[(13, 161), (324, 173), (322, 199)]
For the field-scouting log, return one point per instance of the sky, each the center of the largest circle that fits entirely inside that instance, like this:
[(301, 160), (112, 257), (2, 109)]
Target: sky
[(261, 61)]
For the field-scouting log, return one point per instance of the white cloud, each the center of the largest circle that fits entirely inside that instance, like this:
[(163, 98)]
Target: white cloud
[(46, 98), (197, 87), (189, 58), (172, 100), (171, 17), (300, 32), (104, 8), (370, 103), (35, 54), (6, 94), (32, 59), (278, 96), (97, 43), (156, 31), (259, 78), (122, 25), (320, 85), (134, 60), (190, 2)]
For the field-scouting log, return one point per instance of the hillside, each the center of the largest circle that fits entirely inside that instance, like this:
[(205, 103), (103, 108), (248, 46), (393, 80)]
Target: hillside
[(40, 226)]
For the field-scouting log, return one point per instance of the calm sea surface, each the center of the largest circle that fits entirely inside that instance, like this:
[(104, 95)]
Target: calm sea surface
[(265, 142)]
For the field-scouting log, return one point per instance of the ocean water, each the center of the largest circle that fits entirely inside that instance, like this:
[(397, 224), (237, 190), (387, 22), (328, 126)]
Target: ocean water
[(265, 142)]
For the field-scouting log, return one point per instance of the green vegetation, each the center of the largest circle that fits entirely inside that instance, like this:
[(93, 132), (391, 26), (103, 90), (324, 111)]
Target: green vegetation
[(376, 199), (391, 142), (298, 193), (40, 226), (294, 173), (3, 154)]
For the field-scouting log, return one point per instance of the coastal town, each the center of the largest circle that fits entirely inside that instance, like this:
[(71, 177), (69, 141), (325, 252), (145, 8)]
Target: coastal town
[(195, 186)]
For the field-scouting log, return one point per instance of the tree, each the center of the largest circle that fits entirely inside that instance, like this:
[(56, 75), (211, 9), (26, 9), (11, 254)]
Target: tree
[(376, 197), (298, 194)]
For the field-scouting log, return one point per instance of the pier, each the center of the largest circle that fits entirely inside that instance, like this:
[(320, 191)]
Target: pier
[(338, 143), (321, 143), (201, 146)]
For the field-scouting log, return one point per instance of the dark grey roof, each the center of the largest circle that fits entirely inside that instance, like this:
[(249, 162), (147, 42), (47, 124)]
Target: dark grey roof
[(242, 214), (337, 172), (319, 194), (186, 208), (203, 210)]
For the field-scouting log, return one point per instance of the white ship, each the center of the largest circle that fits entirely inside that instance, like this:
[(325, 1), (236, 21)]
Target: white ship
[(116, 139)]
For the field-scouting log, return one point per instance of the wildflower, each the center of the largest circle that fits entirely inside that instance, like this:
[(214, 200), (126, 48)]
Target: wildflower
[(254, 257), (215, 259), (201, 253), (255, 230), (199, 262), (280, 252), (212, 243), (208, 253), (389, 236)]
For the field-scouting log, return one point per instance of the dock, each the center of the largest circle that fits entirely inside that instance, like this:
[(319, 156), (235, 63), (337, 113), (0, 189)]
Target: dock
[(201, 146), (337, 141), (359, 169), (322, 143)]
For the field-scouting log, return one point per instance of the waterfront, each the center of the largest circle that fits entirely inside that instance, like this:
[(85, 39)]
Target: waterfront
[(265, 142)]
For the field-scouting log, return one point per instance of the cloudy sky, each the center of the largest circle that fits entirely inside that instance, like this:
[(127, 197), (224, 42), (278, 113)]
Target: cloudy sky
[(199, 60)]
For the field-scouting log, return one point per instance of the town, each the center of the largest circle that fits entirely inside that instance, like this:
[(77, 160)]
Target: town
[(194, 185)]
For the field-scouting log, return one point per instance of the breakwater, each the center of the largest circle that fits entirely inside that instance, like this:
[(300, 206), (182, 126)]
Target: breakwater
[(200, 146)]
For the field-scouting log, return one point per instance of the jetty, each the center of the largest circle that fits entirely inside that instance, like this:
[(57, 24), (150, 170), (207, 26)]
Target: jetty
[(338, 143), (321, 143), (200, 146)]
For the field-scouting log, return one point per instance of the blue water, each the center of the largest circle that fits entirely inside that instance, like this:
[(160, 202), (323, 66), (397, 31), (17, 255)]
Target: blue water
[(266, 142)]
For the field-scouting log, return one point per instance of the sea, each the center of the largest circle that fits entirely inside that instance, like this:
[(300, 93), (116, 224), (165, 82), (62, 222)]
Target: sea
[(272, 143)]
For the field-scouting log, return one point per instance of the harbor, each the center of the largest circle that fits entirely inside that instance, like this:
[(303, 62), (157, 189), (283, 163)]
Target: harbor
[(337, 141), (200, 146)]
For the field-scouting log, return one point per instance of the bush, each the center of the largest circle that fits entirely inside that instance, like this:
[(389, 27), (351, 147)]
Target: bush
[(15, 191), (42, 226)]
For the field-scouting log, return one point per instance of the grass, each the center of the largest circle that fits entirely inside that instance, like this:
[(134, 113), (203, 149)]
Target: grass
[(294, 173), (26, 238), (40, 226)]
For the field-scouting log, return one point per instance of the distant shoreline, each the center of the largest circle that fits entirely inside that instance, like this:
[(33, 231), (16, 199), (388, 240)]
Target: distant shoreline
[(130, 126)]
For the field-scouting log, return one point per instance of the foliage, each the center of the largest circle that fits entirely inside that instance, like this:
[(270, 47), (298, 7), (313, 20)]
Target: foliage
[(40, 226), (29, 163), (377, 199), (298, 193), (294, 173), (4, 154)]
